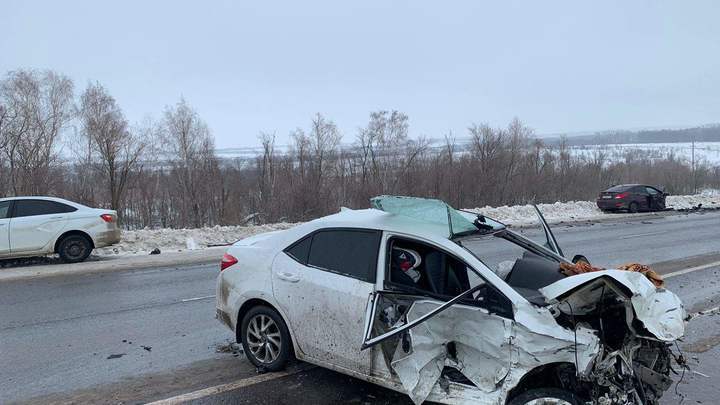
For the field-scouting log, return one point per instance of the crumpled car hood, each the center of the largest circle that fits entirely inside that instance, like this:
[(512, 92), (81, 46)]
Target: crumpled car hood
[(660, 310)]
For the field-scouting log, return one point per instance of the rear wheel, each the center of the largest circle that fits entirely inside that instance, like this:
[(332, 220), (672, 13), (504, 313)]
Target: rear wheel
[(265, 338), (545, 396), (633, 207), (74, 248)]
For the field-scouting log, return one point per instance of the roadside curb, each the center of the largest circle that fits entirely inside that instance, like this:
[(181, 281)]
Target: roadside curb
[(108, 264)]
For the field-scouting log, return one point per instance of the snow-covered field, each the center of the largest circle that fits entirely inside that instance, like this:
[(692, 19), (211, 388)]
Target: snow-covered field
[(707, 152)]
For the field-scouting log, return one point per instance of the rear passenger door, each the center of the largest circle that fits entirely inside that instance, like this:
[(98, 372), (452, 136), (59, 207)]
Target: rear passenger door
[(322, 282), (641, 196), (35, 224), (4, 227)]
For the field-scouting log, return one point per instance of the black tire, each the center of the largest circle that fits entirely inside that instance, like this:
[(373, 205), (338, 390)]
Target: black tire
[(633, 207), (549, 393), (284, 354), (74, 248)]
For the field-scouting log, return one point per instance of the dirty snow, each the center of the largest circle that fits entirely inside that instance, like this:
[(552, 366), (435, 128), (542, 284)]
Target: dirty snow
[(172, 240), (519, 215), (143, 241)]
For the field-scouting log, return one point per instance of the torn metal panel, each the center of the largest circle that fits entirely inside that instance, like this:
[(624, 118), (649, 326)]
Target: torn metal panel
[(493, 353), (660, 310)]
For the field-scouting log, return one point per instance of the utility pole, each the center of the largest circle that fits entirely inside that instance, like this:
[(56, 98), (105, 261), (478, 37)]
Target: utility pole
[(693, 166)]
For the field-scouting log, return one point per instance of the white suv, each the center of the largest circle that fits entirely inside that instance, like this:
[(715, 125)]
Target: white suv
[(35, 226)]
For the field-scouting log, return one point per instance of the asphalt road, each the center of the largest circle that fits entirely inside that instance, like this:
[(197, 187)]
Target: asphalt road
[(139, 336)]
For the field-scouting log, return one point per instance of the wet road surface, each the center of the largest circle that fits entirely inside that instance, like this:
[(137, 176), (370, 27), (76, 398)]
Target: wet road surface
[(139, 336)]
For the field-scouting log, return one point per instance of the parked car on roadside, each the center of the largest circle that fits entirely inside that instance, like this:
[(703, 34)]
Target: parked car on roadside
[(36, 226), (632, 198), (447, 306)]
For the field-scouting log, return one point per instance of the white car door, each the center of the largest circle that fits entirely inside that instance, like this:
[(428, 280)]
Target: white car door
[(4, 227), (35, 224), (322, 283)]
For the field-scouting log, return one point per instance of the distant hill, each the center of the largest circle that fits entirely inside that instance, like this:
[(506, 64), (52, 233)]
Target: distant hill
[(705, 133)]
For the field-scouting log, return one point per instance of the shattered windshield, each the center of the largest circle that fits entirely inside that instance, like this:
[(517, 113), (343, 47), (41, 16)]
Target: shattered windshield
[(435, 211)]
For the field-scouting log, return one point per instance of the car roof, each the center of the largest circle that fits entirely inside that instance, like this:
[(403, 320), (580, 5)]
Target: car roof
[(631, 185), (55, 199), (370, 219)]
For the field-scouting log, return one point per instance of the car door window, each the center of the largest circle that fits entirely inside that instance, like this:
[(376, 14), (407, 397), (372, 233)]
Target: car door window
[(349, 252), (418, 268), (651, 191), (300, 250), (639, 191), (4, 209), (29, 208)]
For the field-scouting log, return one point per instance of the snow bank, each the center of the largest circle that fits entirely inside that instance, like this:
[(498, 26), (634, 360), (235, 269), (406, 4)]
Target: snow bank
[(169, 240), (143, 241), (556, 212), (708, 199)]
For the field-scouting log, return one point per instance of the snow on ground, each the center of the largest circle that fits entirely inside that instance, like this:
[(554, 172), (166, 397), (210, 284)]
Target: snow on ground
[(143, 241), (586, 210), (708, 152), (708, 199), (172, 240)]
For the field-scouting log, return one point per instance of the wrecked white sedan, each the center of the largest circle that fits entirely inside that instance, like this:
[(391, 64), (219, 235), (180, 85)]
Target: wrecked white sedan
[(447, 306)]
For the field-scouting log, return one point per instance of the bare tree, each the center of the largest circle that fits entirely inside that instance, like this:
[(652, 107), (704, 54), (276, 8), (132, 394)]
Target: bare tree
[(37, 107), (115, 149), (188, 142)]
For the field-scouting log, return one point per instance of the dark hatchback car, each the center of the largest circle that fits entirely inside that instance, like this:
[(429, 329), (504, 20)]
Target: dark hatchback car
[(632, 197)]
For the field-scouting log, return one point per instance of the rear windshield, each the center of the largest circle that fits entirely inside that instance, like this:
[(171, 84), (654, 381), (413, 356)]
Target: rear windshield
[(620, 188)]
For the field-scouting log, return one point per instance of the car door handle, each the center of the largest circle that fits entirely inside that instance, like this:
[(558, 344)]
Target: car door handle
[(56, 217), (286, 276)]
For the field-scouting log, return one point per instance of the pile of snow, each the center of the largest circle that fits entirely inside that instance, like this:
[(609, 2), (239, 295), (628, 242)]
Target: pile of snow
[(169, 240), (708, 199), (144, 241), (519, 215)]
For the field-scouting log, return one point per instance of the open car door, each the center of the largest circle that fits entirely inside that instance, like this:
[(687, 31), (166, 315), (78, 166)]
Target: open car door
[(550, 242), (425, 341)]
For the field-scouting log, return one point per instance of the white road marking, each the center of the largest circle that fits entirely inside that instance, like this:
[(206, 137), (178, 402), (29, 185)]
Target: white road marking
[(710, 311), (219, 389), (197, 298), (691, 269), (642, 234)]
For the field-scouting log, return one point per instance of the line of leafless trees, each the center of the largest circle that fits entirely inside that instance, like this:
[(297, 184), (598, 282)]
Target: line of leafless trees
[(165, 172)]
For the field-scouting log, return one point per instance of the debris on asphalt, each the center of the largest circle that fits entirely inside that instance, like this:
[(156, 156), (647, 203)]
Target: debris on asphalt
[(115, 356), (155, 251)]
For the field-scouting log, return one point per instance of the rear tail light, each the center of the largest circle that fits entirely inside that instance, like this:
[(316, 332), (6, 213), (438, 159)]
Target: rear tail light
[(621, 196), (107, 218), (227, 261)]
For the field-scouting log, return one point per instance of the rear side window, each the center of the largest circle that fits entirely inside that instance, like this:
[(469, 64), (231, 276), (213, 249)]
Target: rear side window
[(29, 208), (300, 250), (349, 252), (4, 209)]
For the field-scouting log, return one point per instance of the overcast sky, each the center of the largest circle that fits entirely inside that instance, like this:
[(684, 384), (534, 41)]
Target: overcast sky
[(269, 66)]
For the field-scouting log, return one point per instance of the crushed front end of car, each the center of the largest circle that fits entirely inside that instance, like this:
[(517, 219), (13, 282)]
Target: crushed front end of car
[(605, 337), (637, 324)]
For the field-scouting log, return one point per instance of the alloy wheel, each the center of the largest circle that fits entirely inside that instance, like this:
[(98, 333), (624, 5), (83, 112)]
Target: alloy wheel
[(263, 338)]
